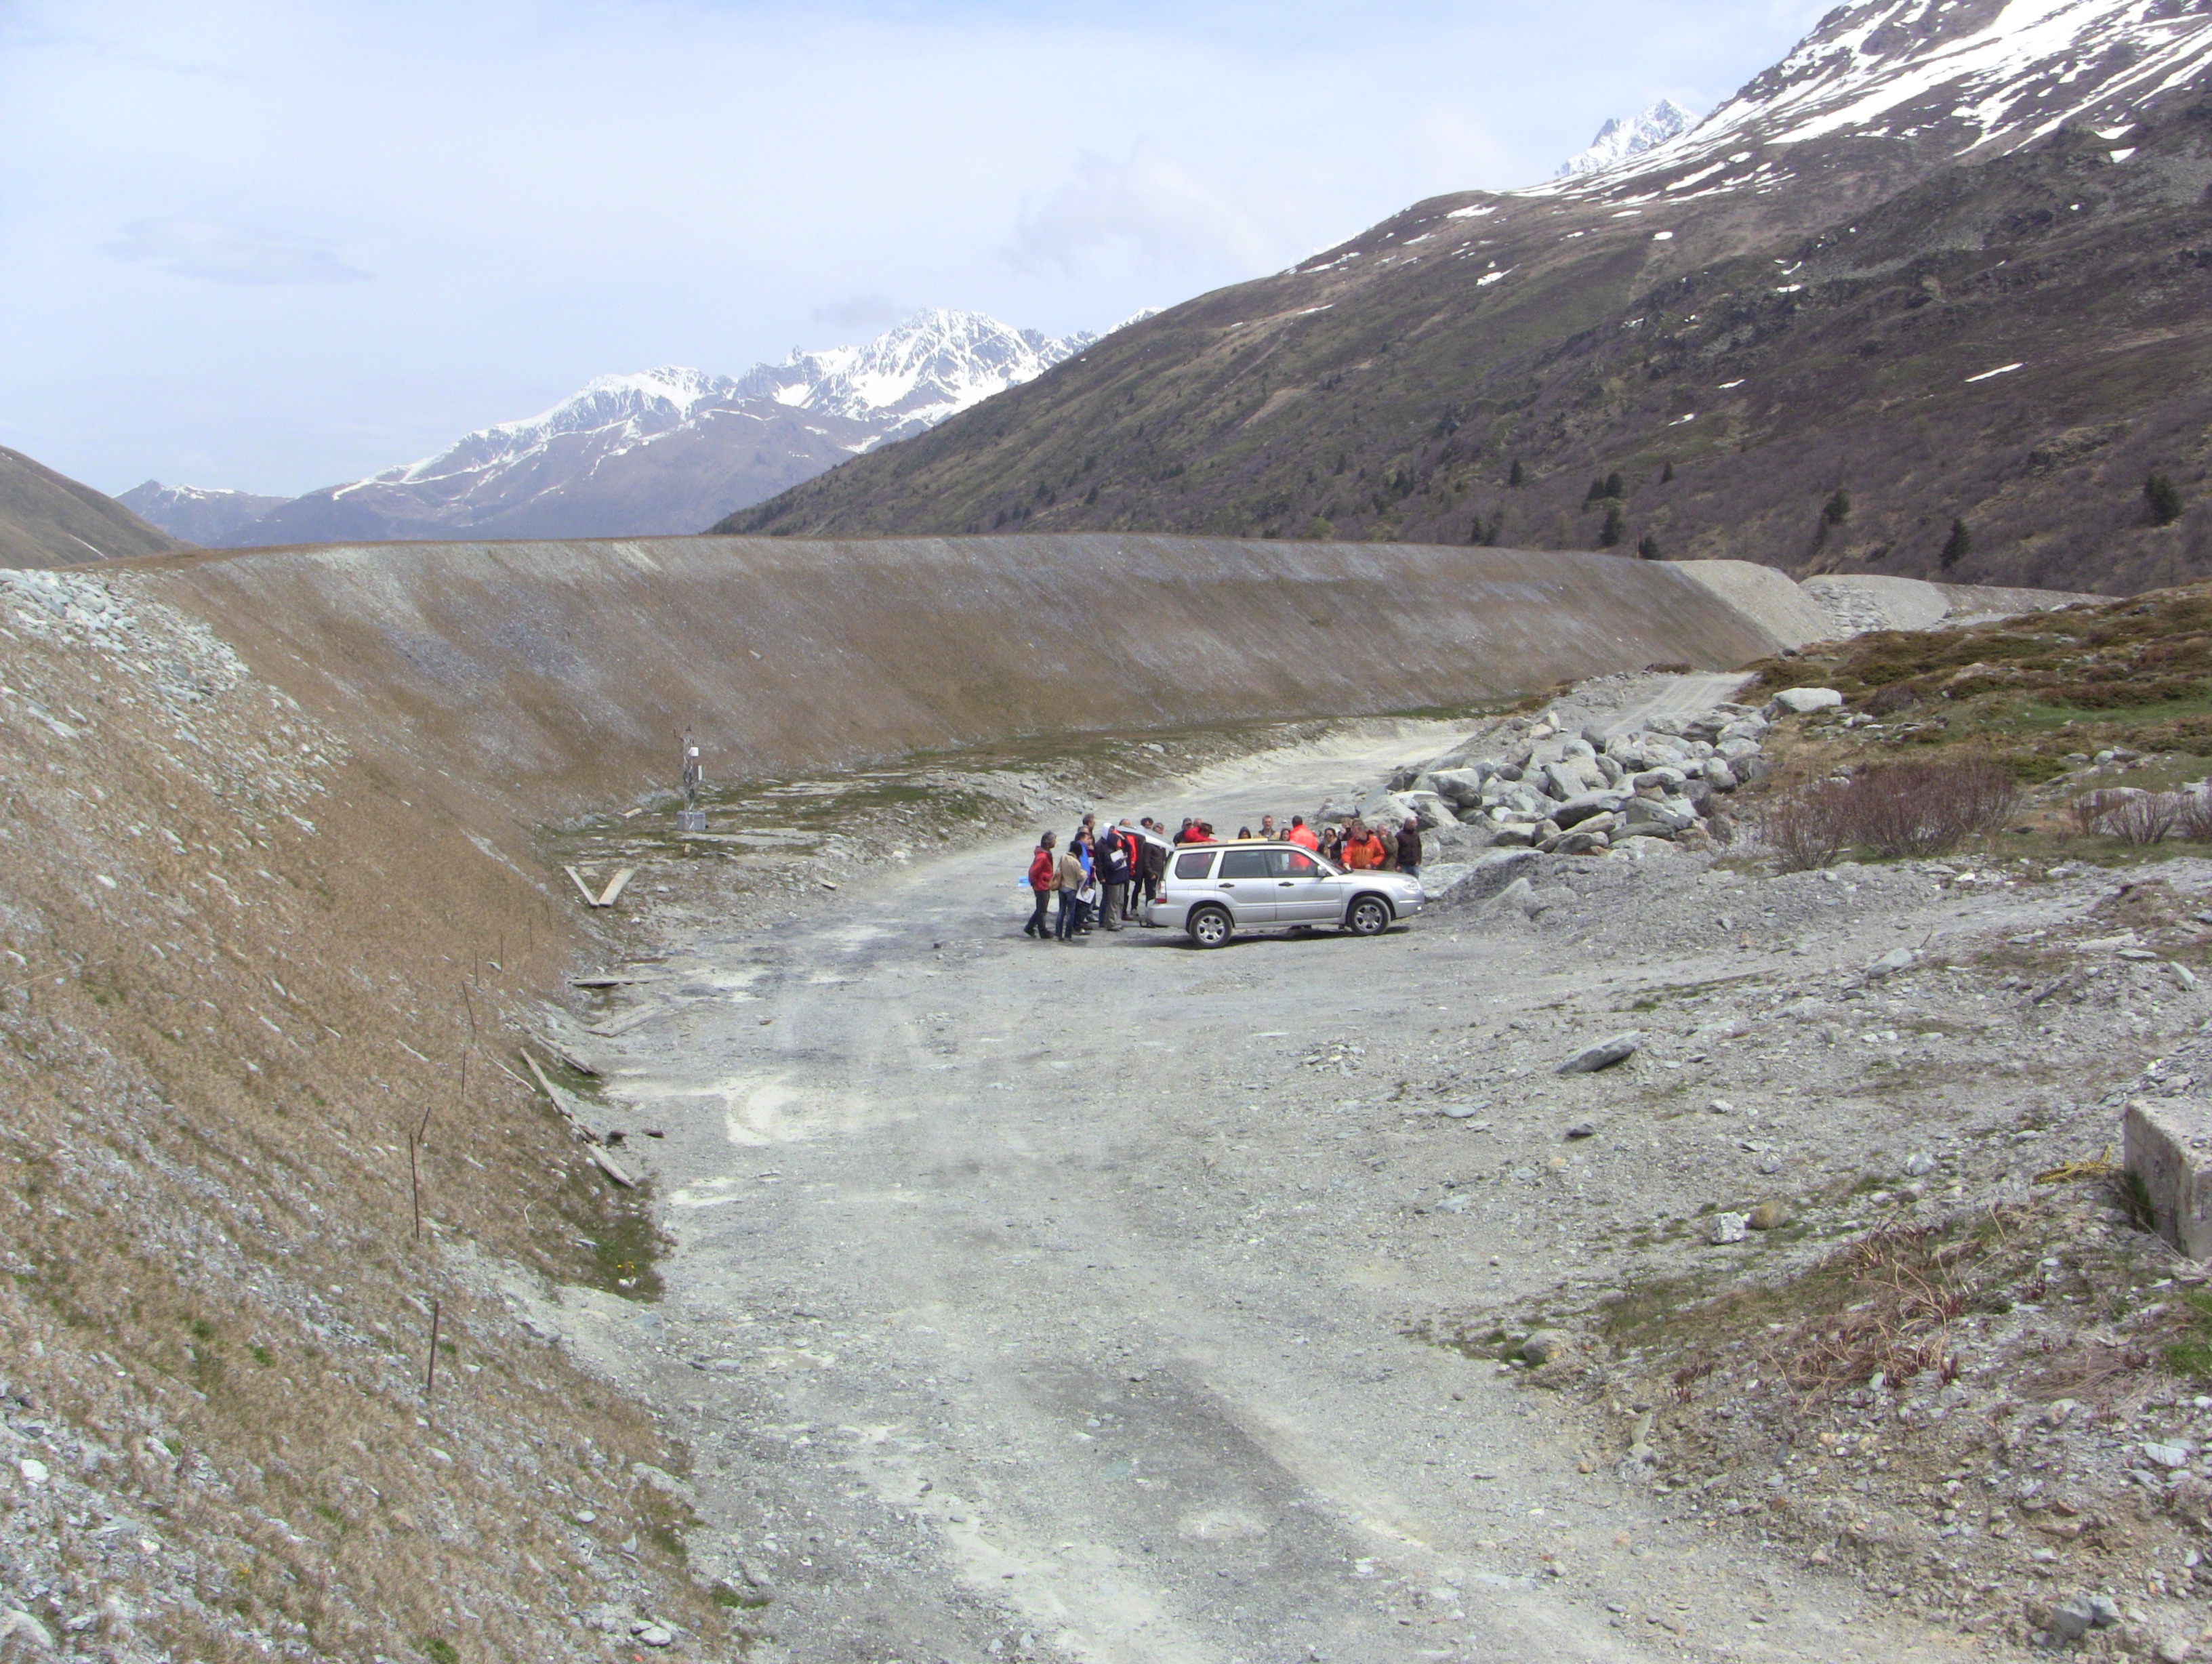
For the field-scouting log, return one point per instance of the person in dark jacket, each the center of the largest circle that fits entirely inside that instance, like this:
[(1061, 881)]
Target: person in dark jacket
[(1155, 859), (1409, 847), (1112, 865), (1044, 880)]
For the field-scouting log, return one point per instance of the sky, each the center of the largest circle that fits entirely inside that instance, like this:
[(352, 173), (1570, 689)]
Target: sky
[(273, 244)]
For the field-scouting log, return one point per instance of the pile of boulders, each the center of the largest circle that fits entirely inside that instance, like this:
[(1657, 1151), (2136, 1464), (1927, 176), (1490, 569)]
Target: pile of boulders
[(1530, 783)]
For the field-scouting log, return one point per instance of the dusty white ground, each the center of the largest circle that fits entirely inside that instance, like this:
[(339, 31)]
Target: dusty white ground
[(1044, 1300)]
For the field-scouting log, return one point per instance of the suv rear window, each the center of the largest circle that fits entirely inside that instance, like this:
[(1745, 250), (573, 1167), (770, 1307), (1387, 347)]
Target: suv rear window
[(1194, 865)]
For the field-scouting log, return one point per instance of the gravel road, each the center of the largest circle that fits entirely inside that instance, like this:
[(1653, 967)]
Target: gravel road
[(1042, 1300)]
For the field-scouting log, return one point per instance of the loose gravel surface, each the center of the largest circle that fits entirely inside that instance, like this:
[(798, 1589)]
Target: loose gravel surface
[(1120, 1301)]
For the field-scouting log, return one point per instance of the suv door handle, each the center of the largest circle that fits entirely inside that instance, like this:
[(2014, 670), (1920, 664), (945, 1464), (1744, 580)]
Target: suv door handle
[(1286, 884)]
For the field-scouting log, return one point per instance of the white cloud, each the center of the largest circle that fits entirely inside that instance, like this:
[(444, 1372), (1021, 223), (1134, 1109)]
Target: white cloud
[(859, 312), (1150, 203), (229, 254), (547, 190)]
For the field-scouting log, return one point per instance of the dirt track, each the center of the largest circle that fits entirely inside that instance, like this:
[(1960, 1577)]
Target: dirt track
[(1045, 1294)]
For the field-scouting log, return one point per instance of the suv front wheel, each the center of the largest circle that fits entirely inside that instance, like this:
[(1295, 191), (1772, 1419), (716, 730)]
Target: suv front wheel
[(1211, 927), (1369, 916)]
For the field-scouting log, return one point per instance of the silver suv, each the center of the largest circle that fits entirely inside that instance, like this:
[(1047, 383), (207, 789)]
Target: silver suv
[(1214, 890)]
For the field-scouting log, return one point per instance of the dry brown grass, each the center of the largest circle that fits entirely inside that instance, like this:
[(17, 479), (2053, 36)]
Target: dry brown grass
[(210, 1067), (1895, 809), (1910, 1288)]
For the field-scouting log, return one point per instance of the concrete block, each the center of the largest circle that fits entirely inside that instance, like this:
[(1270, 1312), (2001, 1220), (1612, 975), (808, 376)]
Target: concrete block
[(2168, 1144)]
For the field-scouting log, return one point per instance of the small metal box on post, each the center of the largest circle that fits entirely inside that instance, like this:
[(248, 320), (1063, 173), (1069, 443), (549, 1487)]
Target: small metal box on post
[(691, 817)]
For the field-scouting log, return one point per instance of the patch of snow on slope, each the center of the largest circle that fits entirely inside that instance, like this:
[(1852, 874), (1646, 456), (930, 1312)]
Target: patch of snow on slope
[(2022, 73)]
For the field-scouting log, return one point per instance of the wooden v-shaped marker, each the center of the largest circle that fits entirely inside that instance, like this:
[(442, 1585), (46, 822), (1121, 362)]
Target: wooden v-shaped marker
[(614, 887)]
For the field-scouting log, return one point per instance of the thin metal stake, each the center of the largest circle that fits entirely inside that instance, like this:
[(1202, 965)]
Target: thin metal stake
[(430, 1379)]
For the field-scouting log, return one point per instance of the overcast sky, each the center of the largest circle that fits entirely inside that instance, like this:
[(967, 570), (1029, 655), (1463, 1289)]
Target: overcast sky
[(278, 244)]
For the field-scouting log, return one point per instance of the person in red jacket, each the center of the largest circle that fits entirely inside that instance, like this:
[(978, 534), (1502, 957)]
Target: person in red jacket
[(1043, 866), (1302, 834)]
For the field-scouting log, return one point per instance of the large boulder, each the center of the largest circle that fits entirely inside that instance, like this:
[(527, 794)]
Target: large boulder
[(1430, 810), (1604, 1055), (1563, 781), (1798, 702), (1459, 786), (1584, 806), (1643, 818), (1387, 808)]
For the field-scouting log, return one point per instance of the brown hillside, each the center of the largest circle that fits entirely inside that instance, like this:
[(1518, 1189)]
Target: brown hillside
[(1736, 363), (47, 519)]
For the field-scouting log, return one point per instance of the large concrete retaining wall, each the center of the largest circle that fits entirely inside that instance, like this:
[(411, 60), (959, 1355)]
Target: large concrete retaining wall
[(561, 669)]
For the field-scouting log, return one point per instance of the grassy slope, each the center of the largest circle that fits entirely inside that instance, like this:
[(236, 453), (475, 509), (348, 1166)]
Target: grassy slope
[(2041, 693), (1388, 395), (47, 519), (232, 958)]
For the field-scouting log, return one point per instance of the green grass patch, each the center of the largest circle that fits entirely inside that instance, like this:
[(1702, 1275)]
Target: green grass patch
[(2189, 1354)]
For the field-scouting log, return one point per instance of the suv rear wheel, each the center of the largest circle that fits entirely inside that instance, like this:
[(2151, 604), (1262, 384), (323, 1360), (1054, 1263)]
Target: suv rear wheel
[(1211, 927), (1369, 916)]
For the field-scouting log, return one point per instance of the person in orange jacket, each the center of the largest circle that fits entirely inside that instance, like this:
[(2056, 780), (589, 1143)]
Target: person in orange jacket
[(1363, 850), (1302, 834)]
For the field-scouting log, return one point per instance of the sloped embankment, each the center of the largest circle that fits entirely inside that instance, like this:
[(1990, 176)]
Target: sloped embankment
[(270, 919), (553, 673)]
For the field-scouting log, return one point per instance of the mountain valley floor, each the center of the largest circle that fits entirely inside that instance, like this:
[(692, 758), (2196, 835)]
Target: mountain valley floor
[(1127, 1302)]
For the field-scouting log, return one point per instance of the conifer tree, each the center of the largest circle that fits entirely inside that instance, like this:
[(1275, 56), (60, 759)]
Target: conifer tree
[(1667, 475), (1838, 508), (1960, 545), (1649, 547), (1519, 475), (1616, 524), (2163, 498), (1595, 495), (1615, 487)]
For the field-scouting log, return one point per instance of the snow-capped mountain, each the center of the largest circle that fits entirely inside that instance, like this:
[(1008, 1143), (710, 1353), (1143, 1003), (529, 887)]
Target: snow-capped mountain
[(195, 514), (933, 366), (1618, 141), (1943, 78), (1966, 230), (672, 450)]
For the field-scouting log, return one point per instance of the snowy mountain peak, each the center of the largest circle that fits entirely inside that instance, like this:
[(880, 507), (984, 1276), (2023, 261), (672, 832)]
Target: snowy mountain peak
[(933, 365), (1618, 141), (1957, 79), (196, 514), (674, 449)]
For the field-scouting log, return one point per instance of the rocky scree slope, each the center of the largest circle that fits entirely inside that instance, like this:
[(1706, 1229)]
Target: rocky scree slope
[(1837, 1263), (1943, 267), (246, 958), (47, 519), (666, 451)]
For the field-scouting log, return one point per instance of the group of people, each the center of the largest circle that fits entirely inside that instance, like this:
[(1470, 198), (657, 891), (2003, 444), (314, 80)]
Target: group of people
[(1103, 878), (1105, 875)]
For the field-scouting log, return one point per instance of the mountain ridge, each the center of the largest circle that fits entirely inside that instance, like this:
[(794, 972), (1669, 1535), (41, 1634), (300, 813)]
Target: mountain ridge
[(49, 519), (1901, 266), (664, 450), (198, 515)]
